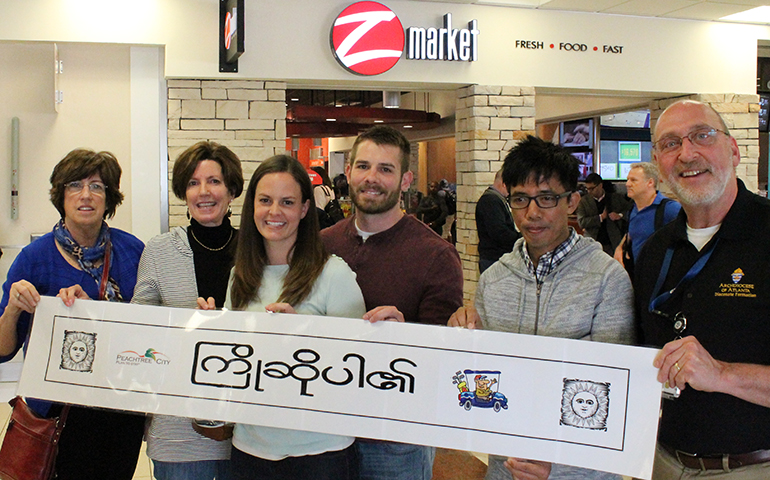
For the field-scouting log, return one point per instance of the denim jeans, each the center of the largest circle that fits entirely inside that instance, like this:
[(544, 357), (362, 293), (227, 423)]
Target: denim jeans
[(395, 461), (203, 470)]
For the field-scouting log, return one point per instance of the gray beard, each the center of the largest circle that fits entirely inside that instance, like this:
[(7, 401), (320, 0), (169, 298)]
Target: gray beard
[(695, 198)]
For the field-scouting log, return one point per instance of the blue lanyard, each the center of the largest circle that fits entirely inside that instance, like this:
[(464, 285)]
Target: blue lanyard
[(658, 298)]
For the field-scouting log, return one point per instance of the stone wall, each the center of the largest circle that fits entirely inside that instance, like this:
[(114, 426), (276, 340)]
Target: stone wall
[(247, 116), (489, 121), (740, 113)]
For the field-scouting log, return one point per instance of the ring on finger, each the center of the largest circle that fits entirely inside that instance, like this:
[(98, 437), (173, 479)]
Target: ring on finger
[(678, 368), (18, 295)]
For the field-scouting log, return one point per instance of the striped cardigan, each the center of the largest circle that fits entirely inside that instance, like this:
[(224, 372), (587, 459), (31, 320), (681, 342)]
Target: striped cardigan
[(167, 277)]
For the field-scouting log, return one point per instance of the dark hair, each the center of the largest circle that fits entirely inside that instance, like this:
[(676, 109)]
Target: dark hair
[(82, 163), (594, 179), (321, 171), (382, 135), (308, 255), (188, 161), (536, 160)]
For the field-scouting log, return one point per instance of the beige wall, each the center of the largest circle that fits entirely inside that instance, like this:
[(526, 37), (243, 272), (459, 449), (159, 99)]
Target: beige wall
[(95, 114), (717, 57)]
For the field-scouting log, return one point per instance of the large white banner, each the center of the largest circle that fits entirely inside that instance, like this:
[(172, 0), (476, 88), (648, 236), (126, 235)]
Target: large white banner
[(580, 403)]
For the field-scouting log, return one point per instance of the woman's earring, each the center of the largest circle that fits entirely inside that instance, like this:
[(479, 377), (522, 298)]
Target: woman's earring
[(188, 214)]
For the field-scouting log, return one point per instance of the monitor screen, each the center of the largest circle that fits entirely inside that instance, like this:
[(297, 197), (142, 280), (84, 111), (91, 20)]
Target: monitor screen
[(576, 133)]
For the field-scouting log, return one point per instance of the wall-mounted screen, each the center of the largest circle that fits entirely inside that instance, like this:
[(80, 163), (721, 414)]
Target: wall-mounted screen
[(576, 133)]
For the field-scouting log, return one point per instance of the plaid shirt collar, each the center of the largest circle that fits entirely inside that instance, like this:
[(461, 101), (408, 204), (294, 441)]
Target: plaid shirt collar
[(550, 260)]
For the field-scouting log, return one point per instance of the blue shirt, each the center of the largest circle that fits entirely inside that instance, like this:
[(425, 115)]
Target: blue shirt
[(641, 224)]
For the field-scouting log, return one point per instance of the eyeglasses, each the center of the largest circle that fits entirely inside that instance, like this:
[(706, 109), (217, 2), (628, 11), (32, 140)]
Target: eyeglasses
[(592, 188), (704, 137), (546, 200), (96, 188)]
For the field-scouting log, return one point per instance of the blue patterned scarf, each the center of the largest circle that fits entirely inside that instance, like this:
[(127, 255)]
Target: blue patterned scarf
[(87, 257)]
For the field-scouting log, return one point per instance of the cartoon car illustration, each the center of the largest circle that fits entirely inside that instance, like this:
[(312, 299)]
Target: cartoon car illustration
[(486, 393)]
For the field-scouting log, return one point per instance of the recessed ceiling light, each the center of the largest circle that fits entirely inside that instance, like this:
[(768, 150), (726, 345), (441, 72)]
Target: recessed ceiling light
[(295, 99), (407, 126), (331, 119), (755, 15), (378, 121)]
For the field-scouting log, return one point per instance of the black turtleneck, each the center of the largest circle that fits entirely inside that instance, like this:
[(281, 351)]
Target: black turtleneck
[(212, 261)]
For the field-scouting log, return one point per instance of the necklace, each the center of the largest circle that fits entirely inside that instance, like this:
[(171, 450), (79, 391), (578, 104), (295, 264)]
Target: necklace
[(209, 248)]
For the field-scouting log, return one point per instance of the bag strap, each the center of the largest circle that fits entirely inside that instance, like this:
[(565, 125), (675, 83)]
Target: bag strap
[(105, 270), (660, 213)]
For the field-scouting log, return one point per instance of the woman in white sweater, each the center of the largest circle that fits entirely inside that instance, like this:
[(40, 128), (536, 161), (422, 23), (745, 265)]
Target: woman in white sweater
[(281, 265)]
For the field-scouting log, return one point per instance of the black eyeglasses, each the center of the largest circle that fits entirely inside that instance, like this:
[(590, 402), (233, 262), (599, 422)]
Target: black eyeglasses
[(704, 137), (546, 200)]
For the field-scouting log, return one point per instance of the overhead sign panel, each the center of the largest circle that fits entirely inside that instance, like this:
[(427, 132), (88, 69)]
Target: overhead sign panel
[(367, 38)]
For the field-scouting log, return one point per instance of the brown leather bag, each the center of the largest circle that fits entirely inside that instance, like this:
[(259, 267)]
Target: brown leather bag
[(31, 443)]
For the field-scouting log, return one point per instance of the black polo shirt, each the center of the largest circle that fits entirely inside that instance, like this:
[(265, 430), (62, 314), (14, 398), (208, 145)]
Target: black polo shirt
[(727, 307)]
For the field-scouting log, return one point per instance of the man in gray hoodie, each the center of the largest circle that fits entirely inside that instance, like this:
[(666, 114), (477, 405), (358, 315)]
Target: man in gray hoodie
[(554, 283)]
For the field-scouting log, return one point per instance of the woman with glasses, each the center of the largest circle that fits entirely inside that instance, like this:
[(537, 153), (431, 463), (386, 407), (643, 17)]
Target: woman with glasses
[(81, 258), (177, 268)]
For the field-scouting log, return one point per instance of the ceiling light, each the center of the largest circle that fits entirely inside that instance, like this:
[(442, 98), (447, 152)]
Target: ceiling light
[(378, 121), (295, 99), (755, 15), (514, 3), (331, 119), (407, 126), (391, 99)]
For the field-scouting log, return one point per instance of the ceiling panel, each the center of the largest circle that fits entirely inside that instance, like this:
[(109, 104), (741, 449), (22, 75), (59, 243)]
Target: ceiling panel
[(707, 11), (646, 8), (687, 9)]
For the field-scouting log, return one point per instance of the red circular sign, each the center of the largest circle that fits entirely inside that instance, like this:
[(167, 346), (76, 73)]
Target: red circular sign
[(367, 38)]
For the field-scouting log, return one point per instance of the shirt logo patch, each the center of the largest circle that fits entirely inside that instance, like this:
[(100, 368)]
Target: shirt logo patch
[(736, 289), (737, 275)]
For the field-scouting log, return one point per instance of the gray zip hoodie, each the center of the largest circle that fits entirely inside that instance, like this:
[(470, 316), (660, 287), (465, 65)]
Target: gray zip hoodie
[(587, 297)]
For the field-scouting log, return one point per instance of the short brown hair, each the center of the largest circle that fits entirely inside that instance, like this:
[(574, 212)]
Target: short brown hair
[(82, 163), (188, 161), (382, 135)]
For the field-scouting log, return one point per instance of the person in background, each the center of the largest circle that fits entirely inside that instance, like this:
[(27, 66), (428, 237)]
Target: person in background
[(650, 212), (81, 258), (324, 192), (177, 268), (432, 209), (494, 223), (406, 273), (281, 265), (601, 214), (329, 211), (708, 270), (554, 283)]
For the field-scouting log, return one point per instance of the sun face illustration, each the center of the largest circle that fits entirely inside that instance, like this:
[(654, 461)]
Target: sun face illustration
[(585, 404), (77, 353)]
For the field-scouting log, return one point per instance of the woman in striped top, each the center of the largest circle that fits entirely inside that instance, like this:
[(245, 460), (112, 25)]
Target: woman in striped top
[(178, 267)]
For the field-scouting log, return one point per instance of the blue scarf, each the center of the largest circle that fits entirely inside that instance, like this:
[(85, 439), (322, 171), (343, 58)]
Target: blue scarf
[(88, 256)]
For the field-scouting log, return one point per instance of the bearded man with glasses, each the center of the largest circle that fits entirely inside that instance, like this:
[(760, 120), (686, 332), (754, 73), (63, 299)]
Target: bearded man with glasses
[(554, 283), (703, 295)]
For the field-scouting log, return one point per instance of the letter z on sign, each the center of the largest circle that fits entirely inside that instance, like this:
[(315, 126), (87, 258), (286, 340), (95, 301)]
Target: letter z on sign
[(367, 38)]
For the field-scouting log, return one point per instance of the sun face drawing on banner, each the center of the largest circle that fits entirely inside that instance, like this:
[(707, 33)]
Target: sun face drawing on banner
[(585, 404), (484, 393), (77, 353)]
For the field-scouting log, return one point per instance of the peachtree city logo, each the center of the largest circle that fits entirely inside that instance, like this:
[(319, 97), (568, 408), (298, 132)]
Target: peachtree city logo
[(367, 38)]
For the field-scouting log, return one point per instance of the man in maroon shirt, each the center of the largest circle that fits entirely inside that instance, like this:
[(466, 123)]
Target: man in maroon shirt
[(406, 272)]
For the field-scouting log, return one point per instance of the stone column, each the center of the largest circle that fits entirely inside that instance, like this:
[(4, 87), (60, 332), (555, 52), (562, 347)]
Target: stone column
[(740, 113), (489, 121), (247, 116)]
